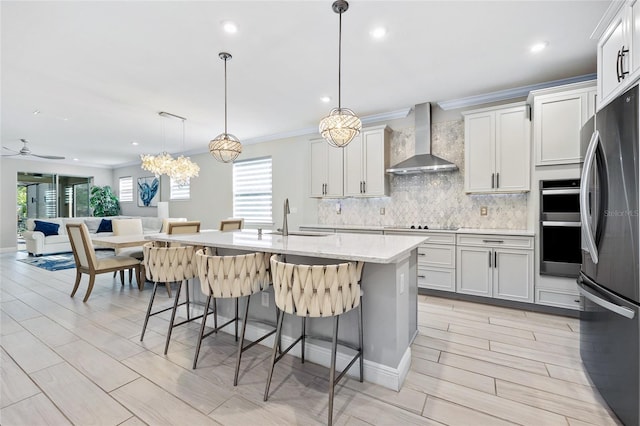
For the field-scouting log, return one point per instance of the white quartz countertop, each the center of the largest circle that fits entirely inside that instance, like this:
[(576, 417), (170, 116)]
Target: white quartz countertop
[(355, 247), (522, 232)]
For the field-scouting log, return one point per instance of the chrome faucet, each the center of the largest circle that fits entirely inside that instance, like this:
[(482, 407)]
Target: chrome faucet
[(285, 226)]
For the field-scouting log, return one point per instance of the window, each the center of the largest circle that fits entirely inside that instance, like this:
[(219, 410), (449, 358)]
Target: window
[(180, 192), (125, 189), (252, 190)]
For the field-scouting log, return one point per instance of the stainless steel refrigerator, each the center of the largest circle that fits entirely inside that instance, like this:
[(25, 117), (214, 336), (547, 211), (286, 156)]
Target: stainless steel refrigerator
[(608, 281)]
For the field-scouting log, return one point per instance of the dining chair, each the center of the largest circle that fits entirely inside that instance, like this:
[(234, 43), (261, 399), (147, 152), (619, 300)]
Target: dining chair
[(128, 227), (86, 261), (312, 291), (231, 224), (232, 277), (184, 227)]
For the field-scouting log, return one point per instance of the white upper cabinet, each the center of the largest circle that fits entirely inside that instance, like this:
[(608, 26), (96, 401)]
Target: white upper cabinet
[(618, 50), (558, 114), (326, 169), (365, 160), (497, 144)]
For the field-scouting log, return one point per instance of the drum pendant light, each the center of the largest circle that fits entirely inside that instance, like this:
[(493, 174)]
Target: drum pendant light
[(341, 125)]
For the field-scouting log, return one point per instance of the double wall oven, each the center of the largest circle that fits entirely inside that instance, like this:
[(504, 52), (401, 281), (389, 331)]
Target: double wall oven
[(560, 234)]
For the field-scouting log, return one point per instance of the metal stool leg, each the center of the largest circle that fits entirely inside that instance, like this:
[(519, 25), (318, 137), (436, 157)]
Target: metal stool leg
[(188, 305), (237, 319), (360, 333), (215, 315), (204, 321), (146, 318), (332, 370), (274, 353), (241, 343), (173, 317), (304, 333)]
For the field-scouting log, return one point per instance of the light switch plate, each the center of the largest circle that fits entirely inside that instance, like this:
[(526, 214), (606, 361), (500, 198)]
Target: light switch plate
[(382, 210), (483, 211)]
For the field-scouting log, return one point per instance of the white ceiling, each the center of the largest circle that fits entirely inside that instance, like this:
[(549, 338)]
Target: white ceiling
[(99, 72)]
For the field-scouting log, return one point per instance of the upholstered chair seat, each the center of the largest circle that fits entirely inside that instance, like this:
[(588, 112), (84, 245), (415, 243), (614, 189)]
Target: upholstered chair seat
[(232, 277), (84, 255), (168, 265), (315, 291)]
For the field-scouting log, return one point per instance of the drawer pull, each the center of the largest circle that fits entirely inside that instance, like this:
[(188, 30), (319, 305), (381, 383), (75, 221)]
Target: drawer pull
[(577, 300), (422, 276), (493, 241), (422, 254)]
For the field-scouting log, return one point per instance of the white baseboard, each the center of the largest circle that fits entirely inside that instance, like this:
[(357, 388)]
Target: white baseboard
[(319, 352)]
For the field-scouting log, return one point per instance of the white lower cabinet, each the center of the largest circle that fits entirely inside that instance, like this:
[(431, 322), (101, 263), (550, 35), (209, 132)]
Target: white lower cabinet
[(436, 260), (495, 266)]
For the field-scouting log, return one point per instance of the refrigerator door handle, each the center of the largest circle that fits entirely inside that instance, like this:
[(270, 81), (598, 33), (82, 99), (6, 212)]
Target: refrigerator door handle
[(584, 196), (620, 310)]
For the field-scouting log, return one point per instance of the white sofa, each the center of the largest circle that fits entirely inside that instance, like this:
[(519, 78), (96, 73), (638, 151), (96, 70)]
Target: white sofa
[(37, 244)]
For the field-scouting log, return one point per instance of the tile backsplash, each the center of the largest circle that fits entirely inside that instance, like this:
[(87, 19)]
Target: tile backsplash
[(433, 199)]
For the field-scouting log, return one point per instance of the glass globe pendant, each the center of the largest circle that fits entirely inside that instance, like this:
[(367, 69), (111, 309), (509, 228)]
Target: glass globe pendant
[(225, 147)]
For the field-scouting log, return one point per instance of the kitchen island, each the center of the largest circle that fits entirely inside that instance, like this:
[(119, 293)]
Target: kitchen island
[(389, 284)]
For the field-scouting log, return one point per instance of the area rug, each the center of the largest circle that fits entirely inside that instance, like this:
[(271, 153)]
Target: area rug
[(58, 262)]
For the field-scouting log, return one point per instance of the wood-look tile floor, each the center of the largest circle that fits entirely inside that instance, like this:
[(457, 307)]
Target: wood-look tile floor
[(67, 362)]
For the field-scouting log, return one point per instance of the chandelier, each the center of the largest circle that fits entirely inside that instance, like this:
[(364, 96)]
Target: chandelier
[(341, 125), (181, 169), (225, 147)]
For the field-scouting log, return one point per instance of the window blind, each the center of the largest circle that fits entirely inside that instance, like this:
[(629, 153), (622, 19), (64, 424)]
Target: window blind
[(125, 189), (252, 190), (180, 192)]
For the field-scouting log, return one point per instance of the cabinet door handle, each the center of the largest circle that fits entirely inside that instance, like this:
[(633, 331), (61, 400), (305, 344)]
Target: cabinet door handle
[(364, 187), (422, 254), (495, 259), (493, 180), (620, 64), (493, 241), (497, 180), (489, 259), (422, 276)]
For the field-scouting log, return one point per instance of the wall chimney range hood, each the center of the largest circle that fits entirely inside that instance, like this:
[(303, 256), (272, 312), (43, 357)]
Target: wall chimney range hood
[(423, 161)]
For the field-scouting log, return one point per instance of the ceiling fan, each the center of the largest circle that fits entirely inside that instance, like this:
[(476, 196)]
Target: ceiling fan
[(25, 151)]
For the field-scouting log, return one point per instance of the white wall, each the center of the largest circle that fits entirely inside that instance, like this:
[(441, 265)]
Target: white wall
[(212, 192), (9, 173)]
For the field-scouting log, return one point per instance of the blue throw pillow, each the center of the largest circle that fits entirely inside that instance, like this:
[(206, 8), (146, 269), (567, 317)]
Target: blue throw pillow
[(105, 226), (47, 228)]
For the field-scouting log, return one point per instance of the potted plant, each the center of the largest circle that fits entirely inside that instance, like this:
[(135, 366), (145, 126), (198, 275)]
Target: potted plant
[(103, 201)]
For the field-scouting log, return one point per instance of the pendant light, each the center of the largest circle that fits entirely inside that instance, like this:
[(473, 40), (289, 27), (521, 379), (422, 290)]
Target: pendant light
[(225, 147), (161, 164), (341, 125), (183, 168)]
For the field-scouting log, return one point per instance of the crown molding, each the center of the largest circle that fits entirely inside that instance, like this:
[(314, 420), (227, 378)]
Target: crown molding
[(516, 92)]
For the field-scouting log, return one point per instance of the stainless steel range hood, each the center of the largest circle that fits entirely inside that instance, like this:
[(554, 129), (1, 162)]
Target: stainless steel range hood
[(423, 161)]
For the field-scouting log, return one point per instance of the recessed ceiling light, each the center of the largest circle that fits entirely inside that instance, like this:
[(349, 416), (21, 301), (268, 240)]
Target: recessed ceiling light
[(134, 143), (36, 112), (229, 27), (325, 99), (538, 47), (378, 32), (76, 159)]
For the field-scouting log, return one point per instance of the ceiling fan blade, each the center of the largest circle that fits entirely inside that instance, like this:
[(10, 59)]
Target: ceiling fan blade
[(9, 155), (9, 149), (49, 157)]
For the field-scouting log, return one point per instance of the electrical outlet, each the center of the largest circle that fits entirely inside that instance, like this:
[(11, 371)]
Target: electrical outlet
[(338, 208), (483, 211), (294, 210), (382, 211), (265, 299), (401, 283)]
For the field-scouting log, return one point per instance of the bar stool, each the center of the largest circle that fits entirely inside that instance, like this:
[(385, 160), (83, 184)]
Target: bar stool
[(167, 265), (232, 277), (311, 291)]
